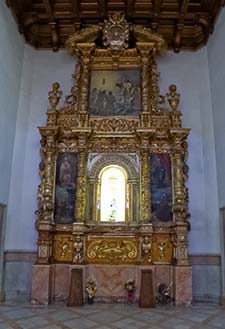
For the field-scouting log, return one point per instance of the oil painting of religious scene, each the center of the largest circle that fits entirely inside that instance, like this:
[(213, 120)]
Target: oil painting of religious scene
[(161, 187), (115, 92), (65, 187)]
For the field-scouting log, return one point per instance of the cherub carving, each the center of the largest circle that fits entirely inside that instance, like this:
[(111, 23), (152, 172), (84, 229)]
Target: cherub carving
[(78, 249)]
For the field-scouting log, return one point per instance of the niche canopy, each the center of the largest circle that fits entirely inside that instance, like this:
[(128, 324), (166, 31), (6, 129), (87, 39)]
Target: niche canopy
[(113, 166)]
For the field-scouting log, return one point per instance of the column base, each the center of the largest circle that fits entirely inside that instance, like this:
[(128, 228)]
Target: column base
[(51, 282), (182, 285), (223, 301), (2, 296), (41, 284)]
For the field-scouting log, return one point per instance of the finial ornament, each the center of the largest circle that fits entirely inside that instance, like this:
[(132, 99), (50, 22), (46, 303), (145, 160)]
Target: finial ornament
[(54, 95), (173, 97), (116, 32)]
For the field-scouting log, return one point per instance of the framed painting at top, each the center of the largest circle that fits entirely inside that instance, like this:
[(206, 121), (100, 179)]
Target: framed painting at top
[(115, 92)]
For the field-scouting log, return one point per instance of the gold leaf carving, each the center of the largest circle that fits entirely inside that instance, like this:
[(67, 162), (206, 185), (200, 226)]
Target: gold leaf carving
[(63, 248), (114, 125), (112, 251), (162, 250)]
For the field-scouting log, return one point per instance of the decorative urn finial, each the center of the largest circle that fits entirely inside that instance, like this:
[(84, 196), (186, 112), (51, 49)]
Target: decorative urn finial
[(173, 97), (54, 95)]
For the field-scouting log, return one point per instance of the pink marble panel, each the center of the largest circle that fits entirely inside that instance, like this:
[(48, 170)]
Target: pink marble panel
[(41, 284), (61, 281), (111, 279), (183, 285), (163, 274), (53, 281)]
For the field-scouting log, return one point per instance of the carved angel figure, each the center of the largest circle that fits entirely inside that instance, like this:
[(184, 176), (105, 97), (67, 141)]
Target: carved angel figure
[(146, 248), (146, 245), (78, 250)]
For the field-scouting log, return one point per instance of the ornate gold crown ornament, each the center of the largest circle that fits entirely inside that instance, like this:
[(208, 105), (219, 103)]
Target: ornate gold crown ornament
[(116, 35)]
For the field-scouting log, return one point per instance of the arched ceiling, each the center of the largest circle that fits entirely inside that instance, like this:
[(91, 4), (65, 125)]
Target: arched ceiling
[(185, 24)]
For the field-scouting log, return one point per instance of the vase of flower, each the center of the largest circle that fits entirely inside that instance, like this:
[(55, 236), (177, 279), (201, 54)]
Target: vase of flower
[(130, 288), (91, 291)]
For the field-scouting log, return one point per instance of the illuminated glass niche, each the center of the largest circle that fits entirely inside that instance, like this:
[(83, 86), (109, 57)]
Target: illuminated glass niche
[(113, 181)]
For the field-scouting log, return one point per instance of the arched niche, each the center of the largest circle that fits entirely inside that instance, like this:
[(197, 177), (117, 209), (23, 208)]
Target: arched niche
[(98, 166), (113, 194)]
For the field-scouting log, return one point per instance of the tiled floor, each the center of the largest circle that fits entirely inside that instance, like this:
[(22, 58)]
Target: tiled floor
[(111, 316)]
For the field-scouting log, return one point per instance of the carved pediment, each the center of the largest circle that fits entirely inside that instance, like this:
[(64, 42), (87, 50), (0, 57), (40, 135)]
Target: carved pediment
[(116, 34)]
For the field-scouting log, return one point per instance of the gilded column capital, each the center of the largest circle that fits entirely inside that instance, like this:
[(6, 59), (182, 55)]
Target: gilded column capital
[(86, 49), (179, 133), (178, 137), (145, 48), (144, 135), (49, 132)]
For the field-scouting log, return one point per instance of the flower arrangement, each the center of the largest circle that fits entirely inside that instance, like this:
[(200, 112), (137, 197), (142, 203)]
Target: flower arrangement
[(91, 290), (130, 285), (163, 295)]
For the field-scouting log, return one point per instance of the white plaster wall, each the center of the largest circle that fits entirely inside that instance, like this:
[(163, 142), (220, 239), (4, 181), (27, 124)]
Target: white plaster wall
[(11, 58), (188, 70), (40, 70), (216, 58)]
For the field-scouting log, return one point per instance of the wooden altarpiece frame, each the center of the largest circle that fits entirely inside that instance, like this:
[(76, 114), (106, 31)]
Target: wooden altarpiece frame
[(99, 137)]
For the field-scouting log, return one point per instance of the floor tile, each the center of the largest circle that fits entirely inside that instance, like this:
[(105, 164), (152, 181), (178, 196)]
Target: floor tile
[(32, 323), (111, 316), (62, 315), (80, 323)]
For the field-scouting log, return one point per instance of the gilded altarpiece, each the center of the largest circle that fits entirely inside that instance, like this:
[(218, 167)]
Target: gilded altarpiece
[(112, 198)]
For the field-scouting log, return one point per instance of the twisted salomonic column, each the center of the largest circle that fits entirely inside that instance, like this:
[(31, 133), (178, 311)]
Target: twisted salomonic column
[(85, 50), (145, 50), (81, 194), (180, 201), (145, 187), (45, 213)]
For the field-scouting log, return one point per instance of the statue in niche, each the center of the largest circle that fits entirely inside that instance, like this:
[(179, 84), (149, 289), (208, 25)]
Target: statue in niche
[(65, 175), (112, 212), (65, 187)]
